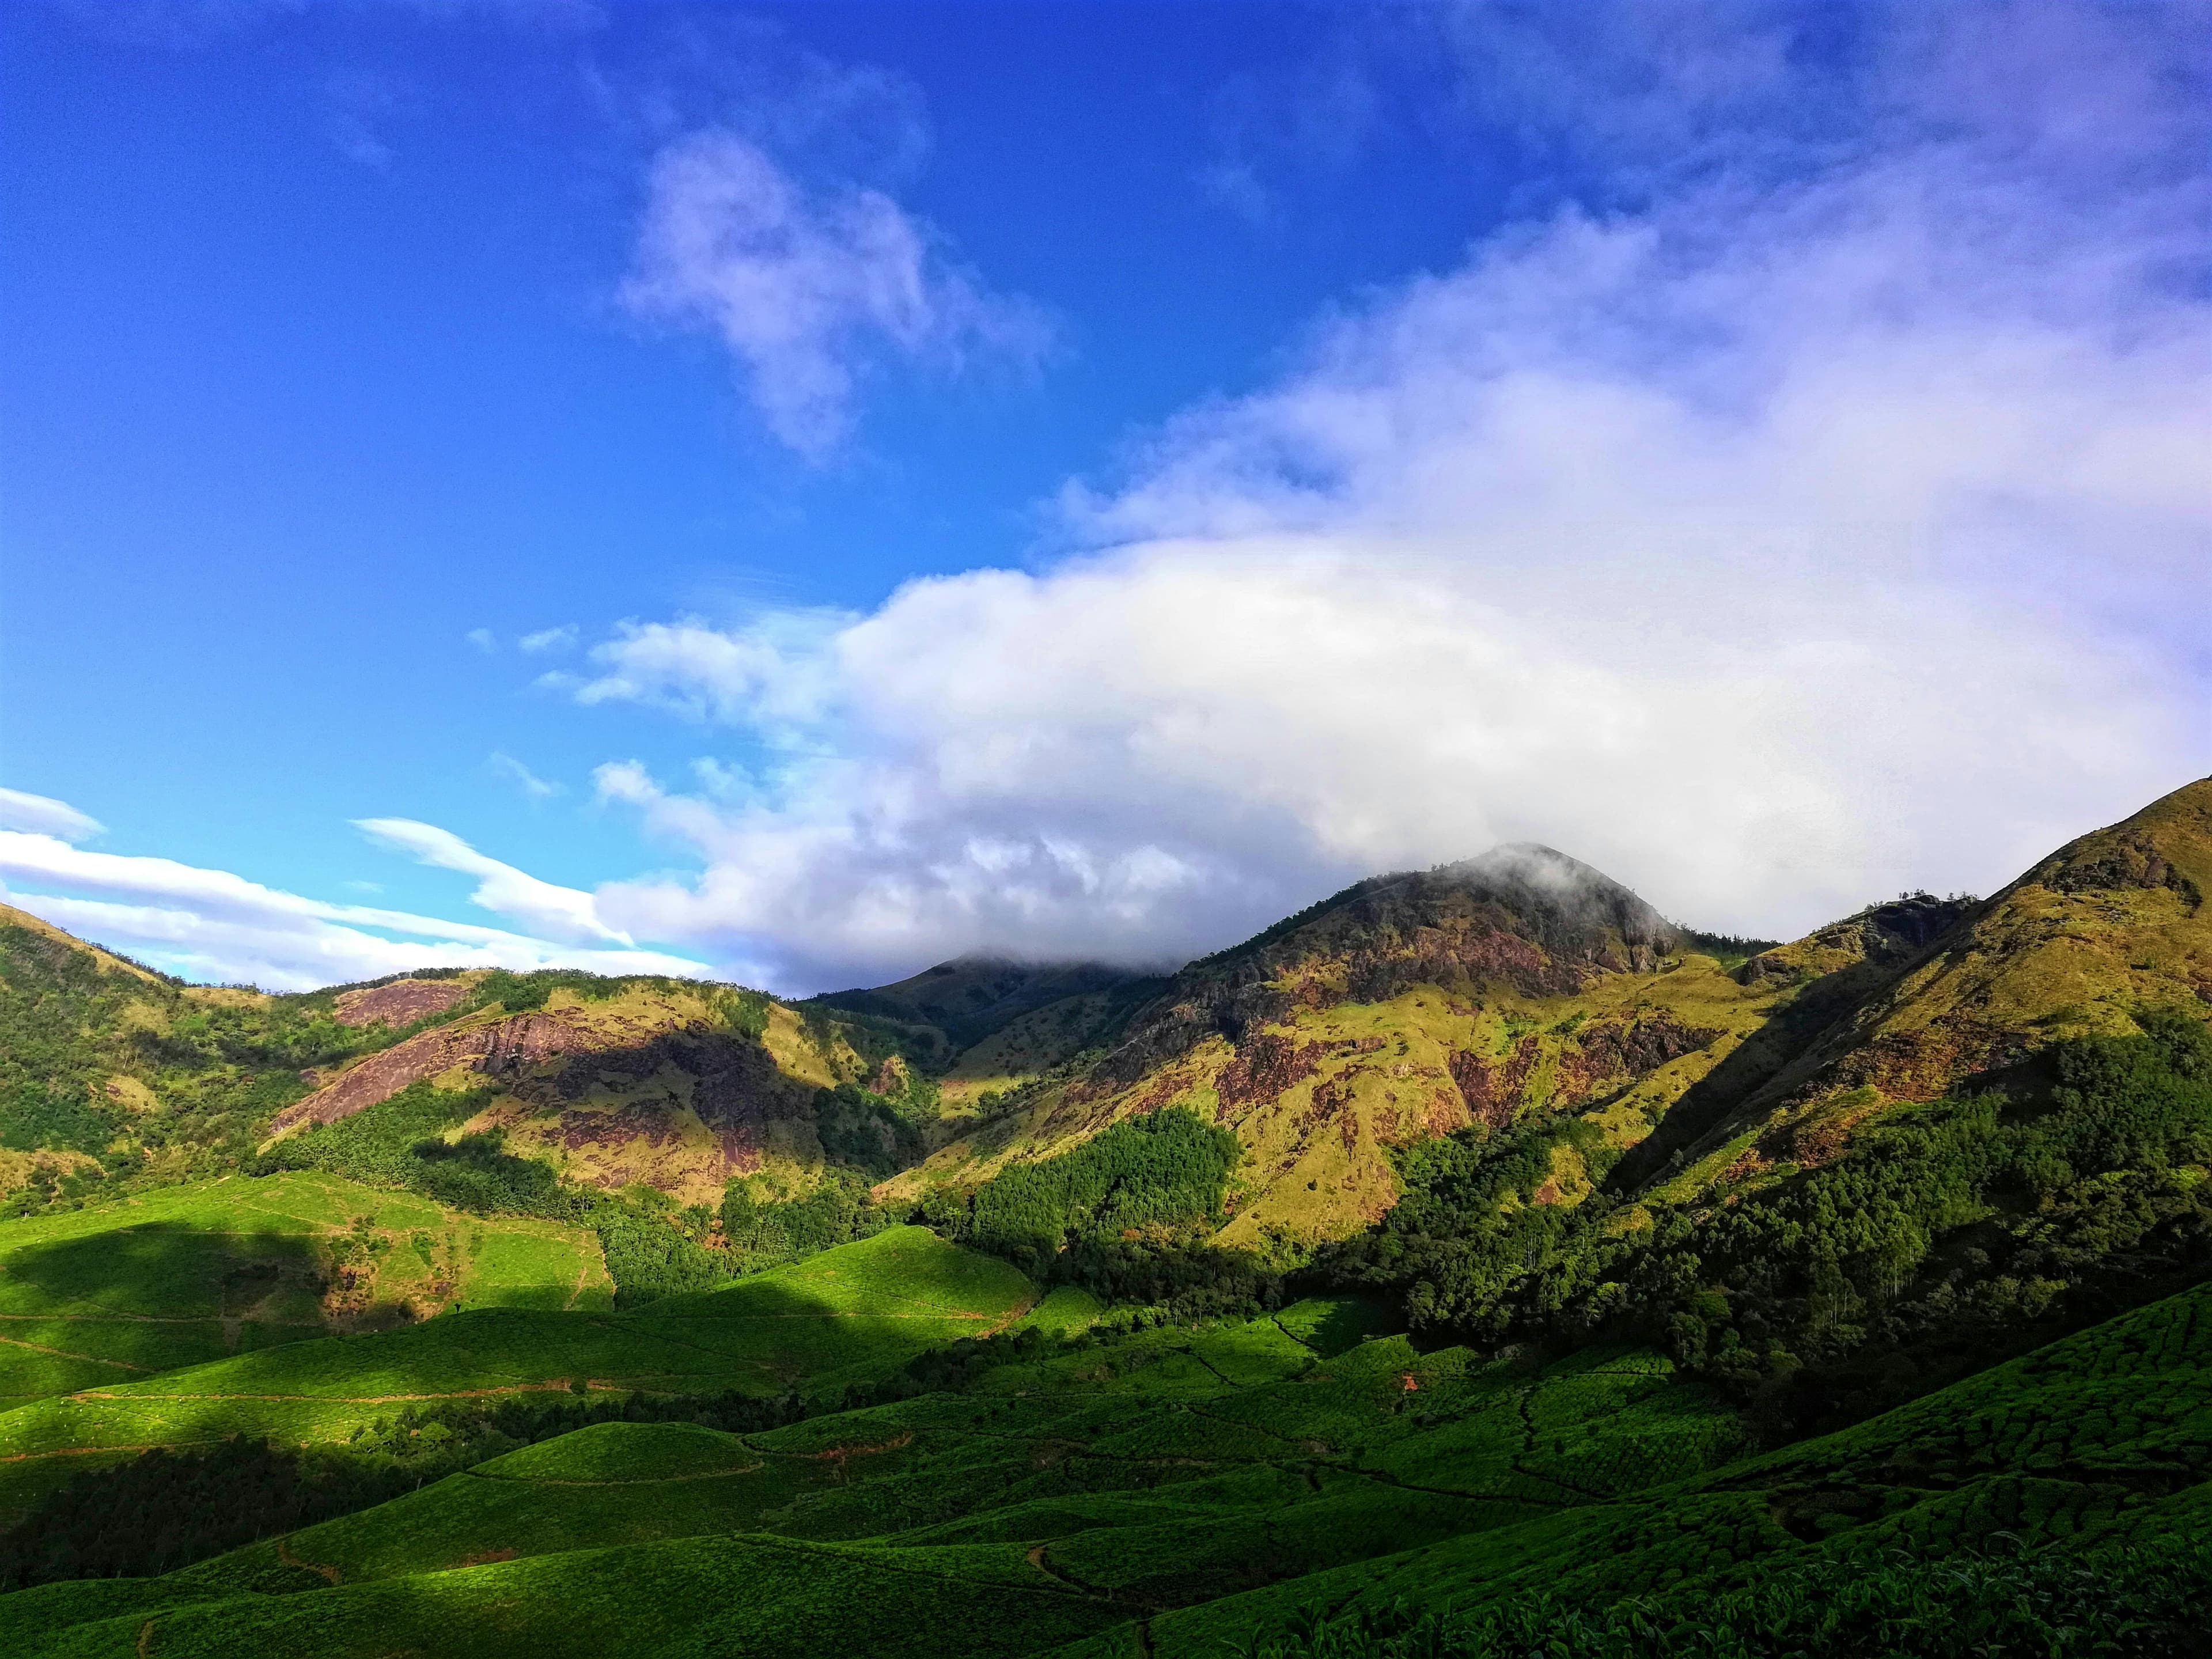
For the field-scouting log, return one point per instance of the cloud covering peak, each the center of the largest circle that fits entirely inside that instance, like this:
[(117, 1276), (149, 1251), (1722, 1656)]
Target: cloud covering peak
[(1805, 530)]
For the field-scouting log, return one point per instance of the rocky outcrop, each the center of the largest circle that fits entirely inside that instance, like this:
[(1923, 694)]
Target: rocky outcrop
[(400, 1003), (501, 1049)]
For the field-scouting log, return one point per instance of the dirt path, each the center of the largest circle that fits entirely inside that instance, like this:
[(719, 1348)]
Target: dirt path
[(64, 1353), (1007, 1319), (661, 1480), (284, 1554)]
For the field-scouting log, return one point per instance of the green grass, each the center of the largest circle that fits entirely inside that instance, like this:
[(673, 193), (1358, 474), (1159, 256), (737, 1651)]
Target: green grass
[(116, 1292), (1206, 1486), (849, 1316)]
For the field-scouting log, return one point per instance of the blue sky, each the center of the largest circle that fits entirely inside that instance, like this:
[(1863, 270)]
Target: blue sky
[(823, 487)]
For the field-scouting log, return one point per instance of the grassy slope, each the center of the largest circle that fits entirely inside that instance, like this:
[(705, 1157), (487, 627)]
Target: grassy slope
[(2112, 921), (849, 1314), (1196, 1485), (179, 1276), (1317, 1152), (1111, 1482), (2100, 1437), (1174, 1490), (639, 1118)]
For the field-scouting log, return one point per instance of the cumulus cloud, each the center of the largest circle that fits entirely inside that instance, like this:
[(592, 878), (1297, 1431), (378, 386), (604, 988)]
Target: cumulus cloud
[(42, 815), (1801, 534), (809, 287), (212, 924), (549, 639)]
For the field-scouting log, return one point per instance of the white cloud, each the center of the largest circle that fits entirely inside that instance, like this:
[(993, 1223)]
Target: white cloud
[(482, 639), (561, 913), (532, 787), (549, 639), (808, 288), (1773, 547), (42, 815), (212, 924)]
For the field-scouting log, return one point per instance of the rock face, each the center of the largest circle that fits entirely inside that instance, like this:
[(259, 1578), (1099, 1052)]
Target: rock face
[(501, 1048), (400, 1003)]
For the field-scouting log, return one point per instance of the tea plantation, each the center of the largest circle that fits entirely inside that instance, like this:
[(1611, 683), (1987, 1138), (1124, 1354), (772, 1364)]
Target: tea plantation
[(1251, 1485)]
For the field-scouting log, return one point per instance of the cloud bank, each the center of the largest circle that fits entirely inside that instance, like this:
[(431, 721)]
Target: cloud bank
[(1832, 519), (212, 925)]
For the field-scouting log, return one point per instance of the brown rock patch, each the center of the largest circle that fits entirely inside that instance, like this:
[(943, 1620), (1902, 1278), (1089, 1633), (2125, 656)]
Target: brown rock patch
[(400, 1003)]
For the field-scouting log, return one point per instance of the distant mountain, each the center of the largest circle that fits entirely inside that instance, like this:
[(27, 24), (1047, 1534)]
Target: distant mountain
[(1518, 987), (1523, 985), (971, 998)]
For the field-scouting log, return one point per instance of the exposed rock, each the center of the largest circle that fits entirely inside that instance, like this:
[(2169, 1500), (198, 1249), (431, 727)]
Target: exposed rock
[(400, 1003), (503, 1050)]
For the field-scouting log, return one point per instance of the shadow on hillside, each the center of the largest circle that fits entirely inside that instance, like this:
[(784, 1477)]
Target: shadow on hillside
[(1749, 1068), (162, 1271)]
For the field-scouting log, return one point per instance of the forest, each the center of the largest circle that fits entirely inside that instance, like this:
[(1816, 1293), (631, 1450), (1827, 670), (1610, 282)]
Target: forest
[(1951, 1235)]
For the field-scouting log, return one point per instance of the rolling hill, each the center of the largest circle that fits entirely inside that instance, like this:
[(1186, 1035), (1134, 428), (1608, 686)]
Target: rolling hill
[(1172, 1491), (1475, 1258)]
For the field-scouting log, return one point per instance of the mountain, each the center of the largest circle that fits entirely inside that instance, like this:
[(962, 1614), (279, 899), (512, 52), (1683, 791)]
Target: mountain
[(1523, 985), (970, 999), (1908, 1001), (1474, 1262)]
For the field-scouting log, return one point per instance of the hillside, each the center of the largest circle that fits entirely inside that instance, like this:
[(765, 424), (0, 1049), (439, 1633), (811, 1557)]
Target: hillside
[(2108, 924), (108, 1071), (179, 1276), (963, 1001), (1526, 988), (1169, 1491), (846, 1315), (1474, 1262), (1405, 1008)]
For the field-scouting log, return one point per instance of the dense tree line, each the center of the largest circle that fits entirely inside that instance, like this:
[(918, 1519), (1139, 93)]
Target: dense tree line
[(762, 1228), (166, 1510), (1166, 1170), (1945, 1237), (1128, 1215)]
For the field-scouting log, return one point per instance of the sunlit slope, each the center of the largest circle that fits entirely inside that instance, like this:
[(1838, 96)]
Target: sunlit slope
[(1174, 1489), (671, 1084), (848, 1314), (2114, 921), (115, 1293), (1519, 984), (725, 1597), (2096, 1441), (1150, 1472)]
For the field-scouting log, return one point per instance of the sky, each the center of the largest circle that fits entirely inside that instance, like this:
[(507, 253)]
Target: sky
[(798, 493)]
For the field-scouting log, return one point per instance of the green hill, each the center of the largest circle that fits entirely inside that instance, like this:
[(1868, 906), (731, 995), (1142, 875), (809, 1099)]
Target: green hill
[(117, 1291), (848, 1316), (1662, 1294), (1174, 1490)]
